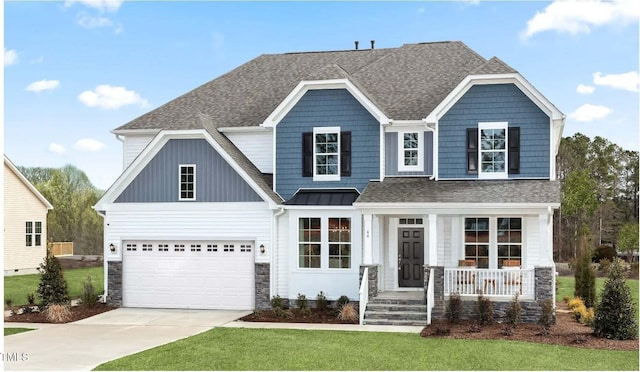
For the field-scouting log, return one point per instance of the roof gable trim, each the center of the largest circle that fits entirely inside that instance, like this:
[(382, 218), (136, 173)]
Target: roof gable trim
[(26, 182), (514, 78), (304, 86), (154, 148)]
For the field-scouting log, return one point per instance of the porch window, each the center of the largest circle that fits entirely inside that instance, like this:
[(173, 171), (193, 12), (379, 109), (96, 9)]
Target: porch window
[(476, 241), (309, 242), (339, 243), (509, 239)]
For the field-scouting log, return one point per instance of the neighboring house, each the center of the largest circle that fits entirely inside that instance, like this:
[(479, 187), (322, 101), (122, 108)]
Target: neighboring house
[(25, 223), (426, 167)]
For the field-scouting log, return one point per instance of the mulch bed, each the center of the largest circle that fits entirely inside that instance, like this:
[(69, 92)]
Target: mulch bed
[(68, 263), (328, 316), (77, 313), (566, 332)]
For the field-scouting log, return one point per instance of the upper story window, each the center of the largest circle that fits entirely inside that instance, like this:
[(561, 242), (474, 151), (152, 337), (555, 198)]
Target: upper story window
[(187, 182), (410, 150), (326, 154), (493, 150)]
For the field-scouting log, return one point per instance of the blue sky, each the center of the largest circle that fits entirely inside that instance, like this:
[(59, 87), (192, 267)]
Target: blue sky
[(75, 70)]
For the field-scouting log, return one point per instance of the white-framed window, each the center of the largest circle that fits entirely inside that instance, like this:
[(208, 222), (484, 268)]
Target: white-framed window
[(326, 154), (490, 240), (187, 182), (33, 233), (410, 151), (493, 150), (324, 242)]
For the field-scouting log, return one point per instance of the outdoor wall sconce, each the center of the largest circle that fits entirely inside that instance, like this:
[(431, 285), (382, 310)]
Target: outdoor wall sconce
[(262, 248), (112, 248)]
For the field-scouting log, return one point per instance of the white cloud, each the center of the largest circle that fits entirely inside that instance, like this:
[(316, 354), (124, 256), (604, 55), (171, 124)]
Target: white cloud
[(36, 61), (87, 21), (588, 112), (575, 17), (626, 81), (585, 89), (39, 86), (102, 5), (88, 144), (110, 97), (10, 57), (56, 148)]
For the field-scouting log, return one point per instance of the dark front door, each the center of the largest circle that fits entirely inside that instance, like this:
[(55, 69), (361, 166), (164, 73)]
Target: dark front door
[(410, 257)]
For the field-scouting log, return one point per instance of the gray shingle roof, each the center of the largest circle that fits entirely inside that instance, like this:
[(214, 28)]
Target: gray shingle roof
[(423, 190), (405, 83)]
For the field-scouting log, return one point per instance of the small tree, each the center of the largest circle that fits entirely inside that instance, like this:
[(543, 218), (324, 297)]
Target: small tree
[(53, 287), (615, 315), (585, 275), (627, 239)]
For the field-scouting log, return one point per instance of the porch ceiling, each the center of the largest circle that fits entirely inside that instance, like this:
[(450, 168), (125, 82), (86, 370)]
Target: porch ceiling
[(422, 190)]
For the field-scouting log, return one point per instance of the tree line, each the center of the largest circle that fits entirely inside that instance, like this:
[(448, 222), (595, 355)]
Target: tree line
[(72, 195), (599, 182)]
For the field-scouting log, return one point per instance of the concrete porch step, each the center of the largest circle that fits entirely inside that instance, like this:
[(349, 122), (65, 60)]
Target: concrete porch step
[(373, 306), (395, 322), (396, 315), (396, 301)]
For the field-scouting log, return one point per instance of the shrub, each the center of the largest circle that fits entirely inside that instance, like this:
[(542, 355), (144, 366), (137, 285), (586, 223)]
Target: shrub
[(348, 313), (281, 313), (302, 303), (485, 310), (604, 265), (507, 330), (8, 302), (52, 288), (514, 311), (343, 300), (57, 313), (566, 299), (615, 314), (89, 297), (575, 302), (321, 301), (585, 279), (604, 252), (454, 308), (31, 298), (587, 317), (276, 302), (546, 317)]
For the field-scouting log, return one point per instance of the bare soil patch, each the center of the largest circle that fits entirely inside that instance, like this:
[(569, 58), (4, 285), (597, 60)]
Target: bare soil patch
[(77, 313), (328, 316), (566, 331)]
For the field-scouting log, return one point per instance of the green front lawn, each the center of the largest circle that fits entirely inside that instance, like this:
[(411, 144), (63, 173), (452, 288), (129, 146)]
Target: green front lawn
[(566, 285), (13, 331), (18, 287), (283, 349)]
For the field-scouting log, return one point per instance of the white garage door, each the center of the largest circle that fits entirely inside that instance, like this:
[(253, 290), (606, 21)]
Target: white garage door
[(188, 274)]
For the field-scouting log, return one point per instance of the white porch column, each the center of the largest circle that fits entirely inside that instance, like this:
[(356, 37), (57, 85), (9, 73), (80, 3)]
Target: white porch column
[(546, 235), (367, 254), (433, 241)]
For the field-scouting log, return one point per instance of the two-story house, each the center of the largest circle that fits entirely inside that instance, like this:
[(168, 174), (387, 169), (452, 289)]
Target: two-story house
[(426, 169)]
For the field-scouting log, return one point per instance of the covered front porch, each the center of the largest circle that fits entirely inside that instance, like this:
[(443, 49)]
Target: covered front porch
[(468, 248)]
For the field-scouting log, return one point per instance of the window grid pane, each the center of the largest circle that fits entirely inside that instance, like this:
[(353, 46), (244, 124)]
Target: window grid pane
[(340, 243), (509, 239), (476, 241), (327, 150), (29, 233), (410, 145), (493, 150), (309, 238), (187, 182)]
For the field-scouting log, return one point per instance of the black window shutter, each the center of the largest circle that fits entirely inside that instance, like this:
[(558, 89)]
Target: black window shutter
[(345, 154), (514, 150), (472, 150), (307, 154)]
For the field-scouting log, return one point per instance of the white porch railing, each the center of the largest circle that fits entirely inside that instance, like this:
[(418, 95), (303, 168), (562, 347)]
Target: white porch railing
[(364, 294), (489, 282), (430, 296)]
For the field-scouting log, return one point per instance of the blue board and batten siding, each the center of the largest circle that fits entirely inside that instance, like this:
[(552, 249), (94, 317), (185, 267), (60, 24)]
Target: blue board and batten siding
[(216, 180), (391, 155), (327, 108), (494, 103)]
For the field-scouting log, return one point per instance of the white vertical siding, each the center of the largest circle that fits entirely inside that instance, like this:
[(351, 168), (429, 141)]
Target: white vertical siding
[(21, 205), (532, 251), (133, 146), (256, 146), (282, 285)]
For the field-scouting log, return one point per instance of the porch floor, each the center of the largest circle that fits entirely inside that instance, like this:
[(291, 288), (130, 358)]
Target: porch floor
[(407, 295)]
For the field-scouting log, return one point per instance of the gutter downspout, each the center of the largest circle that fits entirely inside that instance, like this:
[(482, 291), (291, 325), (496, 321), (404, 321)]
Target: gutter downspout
[(274, 243)]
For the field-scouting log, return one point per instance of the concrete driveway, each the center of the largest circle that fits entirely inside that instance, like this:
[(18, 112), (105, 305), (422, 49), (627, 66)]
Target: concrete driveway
[(83, 345)]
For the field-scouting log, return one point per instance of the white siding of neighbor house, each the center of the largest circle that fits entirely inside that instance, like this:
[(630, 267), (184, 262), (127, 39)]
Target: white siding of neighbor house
[(133, 146), (21, 205), (188, 221), (256, 146)]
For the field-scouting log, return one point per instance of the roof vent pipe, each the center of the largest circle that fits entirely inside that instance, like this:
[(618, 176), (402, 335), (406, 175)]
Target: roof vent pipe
[(373, 42), (356, 42)]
